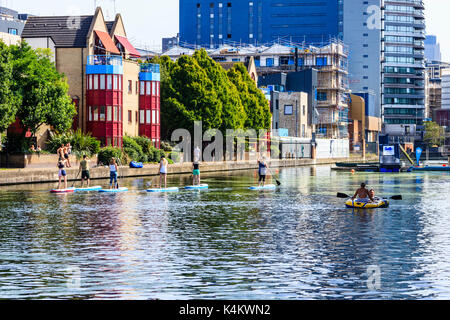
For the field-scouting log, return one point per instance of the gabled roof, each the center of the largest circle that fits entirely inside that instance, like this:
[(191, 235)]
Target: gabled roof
[(278, 49), (177, 51), (128, 46), (65, 31)]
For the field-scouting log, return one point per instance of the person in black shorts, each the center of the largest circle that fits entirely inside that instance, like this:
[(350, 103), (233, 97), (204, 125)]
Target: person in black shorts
[(262, 171)]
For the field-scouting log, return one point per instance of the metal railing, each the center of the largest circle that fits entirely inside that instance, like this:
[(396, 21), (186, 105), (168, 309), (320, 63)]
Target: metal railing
[(104, 60), (150, 68)]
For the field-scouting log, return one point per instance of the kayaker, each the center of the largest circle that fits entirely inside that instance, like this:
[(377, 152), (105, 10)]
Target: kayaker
[(113, 174), (196, 173), (62, 173), (84, 169), (362, 194), (163, 171), (262, 171)]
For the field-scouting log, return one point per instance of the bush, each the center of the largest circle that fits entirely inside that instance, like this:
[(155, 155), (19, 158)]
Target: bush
[(106, 154), (166, 146), (82, 143), (133, 149), (175, 156)]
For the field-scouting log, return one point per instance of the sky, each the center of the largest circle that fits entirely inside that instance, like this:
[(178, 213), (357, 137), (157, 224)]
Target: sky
[(148, 21)]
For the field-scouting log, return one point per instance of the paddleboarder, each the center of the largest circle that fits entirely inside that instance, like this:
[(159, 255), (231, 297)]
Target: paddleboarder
[(196, 173), (113, 174), (262, 171), (62, 173), (85, 172), (163, 164)]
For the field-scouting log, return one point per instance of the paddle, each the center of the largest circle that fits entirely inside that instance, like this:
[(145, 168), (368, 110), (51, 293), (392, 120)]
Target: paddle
[(278, 182), (346, 196), (76, 179)]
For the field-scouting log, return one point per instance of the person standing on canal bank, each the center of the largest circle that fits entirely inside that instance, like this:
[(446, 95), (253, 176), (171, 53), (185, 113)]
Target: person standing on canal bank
[(363, 195), (262, 171), (62, 173), (196, 173), (67, 152), (113, 174), (163, 164), (84, 169)]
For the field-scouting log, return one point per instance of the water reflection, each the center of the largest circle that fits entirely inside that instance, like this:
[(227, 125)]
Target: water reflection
[(229, 242)]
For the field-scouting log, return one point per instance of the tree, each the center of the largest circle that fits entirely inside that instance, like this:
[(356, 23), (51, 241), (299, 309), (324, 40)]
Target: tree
[(41, 89), (434, 134), (255, 103), (8, 101)]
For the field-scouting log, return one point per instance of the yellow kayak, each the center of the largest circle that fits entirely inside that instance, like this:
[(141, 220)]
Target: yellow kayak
[(378, 203)]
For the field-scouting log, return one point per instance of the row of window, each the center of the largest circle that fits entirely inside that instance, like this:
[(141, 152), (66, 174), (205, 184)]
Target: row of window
[(105, 82), (144, 116), (404, 111), (409, 101), (400, 91), (149, 88), (102, 113)]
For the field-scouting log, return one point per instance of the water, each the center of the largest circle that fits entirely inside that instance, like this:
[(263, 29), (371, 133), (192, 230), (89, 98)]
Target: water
[(228, 242)]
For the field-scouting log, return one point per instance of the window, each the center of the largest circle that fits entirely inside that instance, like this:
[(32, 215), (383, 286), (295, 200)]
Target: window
[(102, 82), (142, 92), (115, 84), (109, 115), (157, 88), (109, 84), (130, 120), (304, 110), (154, 116), (137, 87), (116, 113), (95, 82), (321, 96), (95, 113), (288, 109), (120, 83), (91, 85), (269, 62), (102, 113), (90, 113), (148, 88), (153, 88), (13, 31), (142, 117), (130, 86), (148, 117)]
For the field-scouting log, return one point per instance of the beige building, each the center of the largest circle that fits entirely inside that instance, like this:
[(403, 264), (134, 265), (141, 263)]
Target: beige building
[(114, 94)]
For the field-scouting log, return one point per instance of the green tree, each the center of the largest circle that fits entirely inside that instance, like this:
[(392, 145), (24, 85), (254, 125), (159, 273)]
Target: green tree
[(434, 134), (255, 103), (42, 90), (8, 101)]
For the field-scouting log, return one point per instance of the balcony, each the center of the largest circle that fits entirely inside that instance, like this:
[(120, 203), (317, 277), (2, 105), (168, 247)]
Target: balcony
[(104, 64), (149, 72), (150, 68)]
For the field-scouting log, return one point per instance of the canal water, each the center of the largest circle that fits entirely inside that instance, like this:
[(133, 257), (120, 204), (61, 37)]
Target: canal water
[(298, 242)]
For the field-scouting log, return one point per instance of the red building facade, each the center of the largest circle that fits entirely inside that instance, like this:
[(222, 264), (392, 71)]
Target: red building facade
[(149, 103)]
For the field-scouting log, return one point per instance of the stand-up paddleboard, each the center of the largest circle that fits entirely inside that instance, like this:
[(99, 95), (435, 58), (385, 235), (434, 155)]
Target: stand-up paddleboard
[(266, 187), (68, 190), (113, 190), (96, 188), (173, 189), (197, 187)]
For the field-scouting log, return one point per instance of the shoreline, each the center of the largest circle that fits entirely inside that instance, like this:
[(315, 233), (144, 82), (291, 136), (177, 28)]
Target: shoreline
[(49, 175)]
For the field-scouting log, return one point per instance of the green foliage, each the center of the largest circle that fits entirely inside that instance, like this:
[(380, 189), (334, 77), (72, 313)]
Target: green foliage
[(255, 103), (41, 90), (133, 149), (82, 144), (106, 154), (8, 100), (434, 134), (166, 146)]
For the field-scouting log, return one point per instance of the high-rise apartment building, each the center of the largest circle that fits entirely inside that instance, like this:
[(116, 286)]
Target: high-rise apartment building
[(403, 66), (210, 23), (432, 49)]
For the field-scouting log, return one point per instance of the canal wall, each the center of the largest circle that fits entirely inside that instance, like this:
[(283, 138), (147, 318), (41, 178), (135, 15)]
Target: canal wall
[(45, 175)]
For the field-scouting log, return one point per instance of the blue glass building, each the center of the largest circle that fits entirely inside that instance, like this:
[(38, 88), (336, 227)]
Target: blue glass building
[(211, 23)]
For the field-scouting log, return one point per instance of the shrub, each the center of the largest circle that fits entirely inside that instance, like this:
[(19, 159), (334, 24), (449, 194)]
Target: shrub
[(166, 146), (106, 154), (133, 149), (82, 143), (145, 143), (175, 156)]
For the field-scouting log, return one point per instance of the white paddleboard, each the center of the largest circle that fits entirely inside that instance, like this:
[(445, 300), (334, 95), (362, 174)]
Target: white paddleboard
[(173, 189), (113, 190), (95, 188), (198, 187), (266, 187)]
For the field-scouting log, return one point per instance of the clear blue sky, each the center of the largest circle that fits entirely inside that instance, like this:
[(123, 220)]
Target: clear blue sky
[(147, 21)]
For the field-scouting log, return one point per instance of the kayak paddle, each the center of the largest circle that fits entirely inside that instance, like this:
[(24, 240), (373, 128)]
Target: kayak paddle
[(346, 196)]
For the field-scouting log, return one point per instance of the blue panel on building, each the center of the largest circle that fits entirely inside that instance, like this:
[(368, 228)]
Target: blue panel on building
[(149, 76), (104, 69), (210, 23)]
